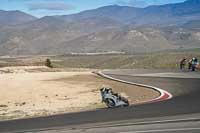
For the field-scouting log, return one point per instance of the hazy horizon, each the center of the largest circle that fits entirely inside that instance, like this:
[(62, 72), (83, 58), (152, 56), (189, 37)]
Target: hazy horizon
[(43, 8)]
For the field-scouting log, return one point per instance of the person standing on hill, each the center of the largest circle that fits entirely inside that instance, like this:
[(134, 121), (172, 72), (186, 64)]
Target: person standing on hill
[(190, 64), (182, 63), (195, 63)]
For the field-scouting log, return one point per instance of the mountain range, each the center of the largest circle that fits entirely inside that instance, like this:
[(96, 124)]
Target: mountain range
[(14, 17), (109, 28)]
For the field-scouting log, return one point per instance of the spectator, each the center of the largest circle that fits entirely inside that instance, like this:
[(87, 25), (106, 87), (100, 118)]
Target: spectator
[(190, 64), (182, 63), (195, 63)]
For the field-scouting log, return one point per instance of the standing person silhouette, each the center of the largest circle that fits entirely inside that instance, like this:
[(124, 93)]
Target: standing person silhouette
[(182, 63), (195, 63), (190, 64)]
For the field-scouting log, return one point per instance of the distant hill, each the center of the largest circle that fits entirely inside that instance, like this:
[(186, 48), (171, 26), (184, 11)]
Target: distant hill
[(153, 15), (194, 24), (14, 17), (110, 28)]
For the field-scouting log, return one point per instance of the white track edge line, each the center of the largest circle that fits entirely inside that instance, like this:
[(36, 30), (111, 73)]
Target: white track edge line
[(161, 91), (163, 130)]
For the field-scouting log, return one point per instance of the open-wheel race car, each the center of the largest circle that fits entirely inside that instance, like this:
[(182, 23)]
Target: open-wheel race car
[(112, 99)]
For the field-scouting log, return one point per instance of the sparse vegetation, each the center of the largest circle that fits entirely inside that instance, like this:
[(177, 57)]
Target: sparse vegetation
[(48, 63), (3, 106), (159, 60)]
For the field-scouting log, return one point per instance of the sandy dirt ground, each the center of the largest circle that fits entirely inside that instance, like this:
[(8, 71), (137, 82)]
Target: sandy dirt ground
[(47, 93)]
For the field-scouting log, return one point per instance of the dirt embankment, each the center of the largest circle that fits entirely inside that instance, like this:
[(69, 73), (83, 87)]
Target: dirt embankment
[(46, 93)]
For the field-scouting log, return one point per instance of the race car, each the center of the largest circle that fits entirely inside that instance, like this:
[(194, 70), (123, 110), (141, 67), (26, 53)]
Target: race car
[(112, 99)]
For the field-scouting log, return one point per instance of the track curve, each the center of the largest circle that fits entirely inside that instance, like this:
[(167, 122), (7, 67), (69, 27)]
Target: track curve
[(185, 89), (164, 95)]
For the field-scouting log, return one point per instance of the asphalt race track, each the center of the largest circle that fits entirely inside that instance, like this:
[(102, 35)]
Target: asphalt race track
[(181, 114)]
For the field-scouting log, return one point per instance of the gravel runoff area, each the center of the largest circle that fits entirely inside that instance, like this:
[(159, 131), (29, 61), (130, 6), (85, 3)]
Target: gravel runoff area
[(25, 95)]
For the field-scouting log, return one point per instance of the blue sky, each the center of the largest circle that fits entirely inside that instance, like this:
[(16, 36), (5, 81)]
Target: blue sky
[(42, 8)]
